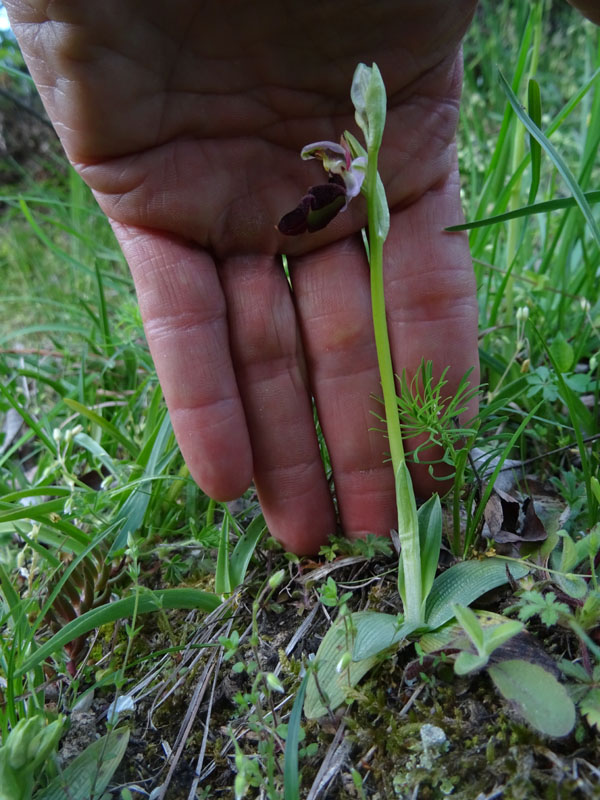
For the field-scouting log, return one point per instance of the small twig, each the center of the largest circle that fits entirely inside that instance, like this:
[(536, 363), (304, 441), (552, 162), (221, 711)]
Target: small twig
[(562, 449), (593, 769), (409, 703), (200, 761), (495, 793), (334, 758), (322, 696), (320, 573), (30, 351), (183, 672), (188, 721), (299, 634)]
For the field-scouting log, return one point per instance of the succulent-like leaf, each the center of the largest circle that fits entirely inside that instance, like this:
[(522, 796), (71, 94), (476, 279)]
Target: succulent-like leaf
[(536, 694)]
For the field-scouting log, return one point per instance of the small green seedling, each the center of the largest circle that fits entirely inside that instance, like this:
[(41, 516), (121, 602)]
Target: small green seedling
[(485, 639)]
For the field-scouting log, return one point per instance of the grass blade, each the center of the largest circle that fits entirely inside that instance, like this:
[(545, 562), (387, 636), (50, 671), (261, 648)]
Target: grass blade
[(555, 156), (526, 211), (107, 426), (577, 413), (134, 508), (291, 780), (243, 550), (534, 102), (96, 617), (28, 419), (37, 512), (222, 577)]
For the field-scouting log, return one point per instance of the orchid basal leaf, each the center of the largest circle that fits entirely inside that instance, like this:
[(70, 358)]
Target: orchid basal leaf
[(430, 539), (465, 582), (376, 632), (334, 684), (90, 773), (408, 533), (470, 624)]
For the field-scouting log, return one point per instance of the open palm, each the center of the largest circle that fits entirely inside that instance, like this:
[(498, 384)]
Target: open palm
[(187, 124)]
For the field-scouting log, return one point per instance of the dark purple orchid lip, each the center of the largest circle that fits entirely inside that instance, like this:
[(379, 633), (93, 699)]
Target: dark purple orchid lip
[(318, 207)]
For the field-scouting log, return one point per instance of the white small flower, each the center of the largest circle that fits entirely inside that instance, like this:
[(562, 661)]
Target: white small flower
[(522, 314)]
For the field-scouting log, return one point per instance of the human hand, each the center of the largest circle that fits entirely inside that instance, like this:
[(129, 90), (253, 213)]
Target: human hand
[(589, 9), (187, 124)]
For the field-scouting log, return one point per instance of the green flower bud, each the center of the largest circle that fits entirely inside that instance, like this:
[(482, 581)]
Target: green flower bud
[(369, 100), (43, 743), (11, 787), (274, 683), (17, 741), (276, 578), (344, 662)]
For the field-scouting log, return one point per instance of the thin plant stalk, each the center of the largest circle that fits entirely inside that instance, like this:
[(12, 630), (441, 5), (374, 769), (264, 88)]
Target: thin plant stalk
[(382, 342), (368, 95)]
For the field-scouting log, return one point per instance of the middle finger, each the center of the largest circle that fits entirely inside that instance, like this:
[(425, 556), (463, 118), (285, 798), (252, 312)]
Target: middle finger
[(333, 301)]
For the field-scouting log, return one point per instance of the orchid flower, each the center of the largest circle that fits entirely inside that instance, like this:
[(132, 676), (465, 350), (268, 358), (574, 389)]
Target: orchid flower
[(324, 202)]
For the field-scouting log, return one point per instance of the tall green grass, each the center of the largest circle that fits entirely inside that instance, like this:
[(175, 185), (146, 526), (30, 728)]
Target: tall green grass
[(547, 263)]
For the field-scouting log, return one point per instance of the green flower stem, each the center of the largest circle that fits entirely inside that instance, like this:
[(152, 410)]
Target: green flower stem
[(408, 531), (382, 343)]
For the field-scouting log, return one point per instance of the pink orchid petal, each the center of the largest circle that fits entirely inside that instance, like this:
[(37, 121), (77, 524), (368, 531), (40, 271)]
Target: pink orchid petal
[(354, 177)]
